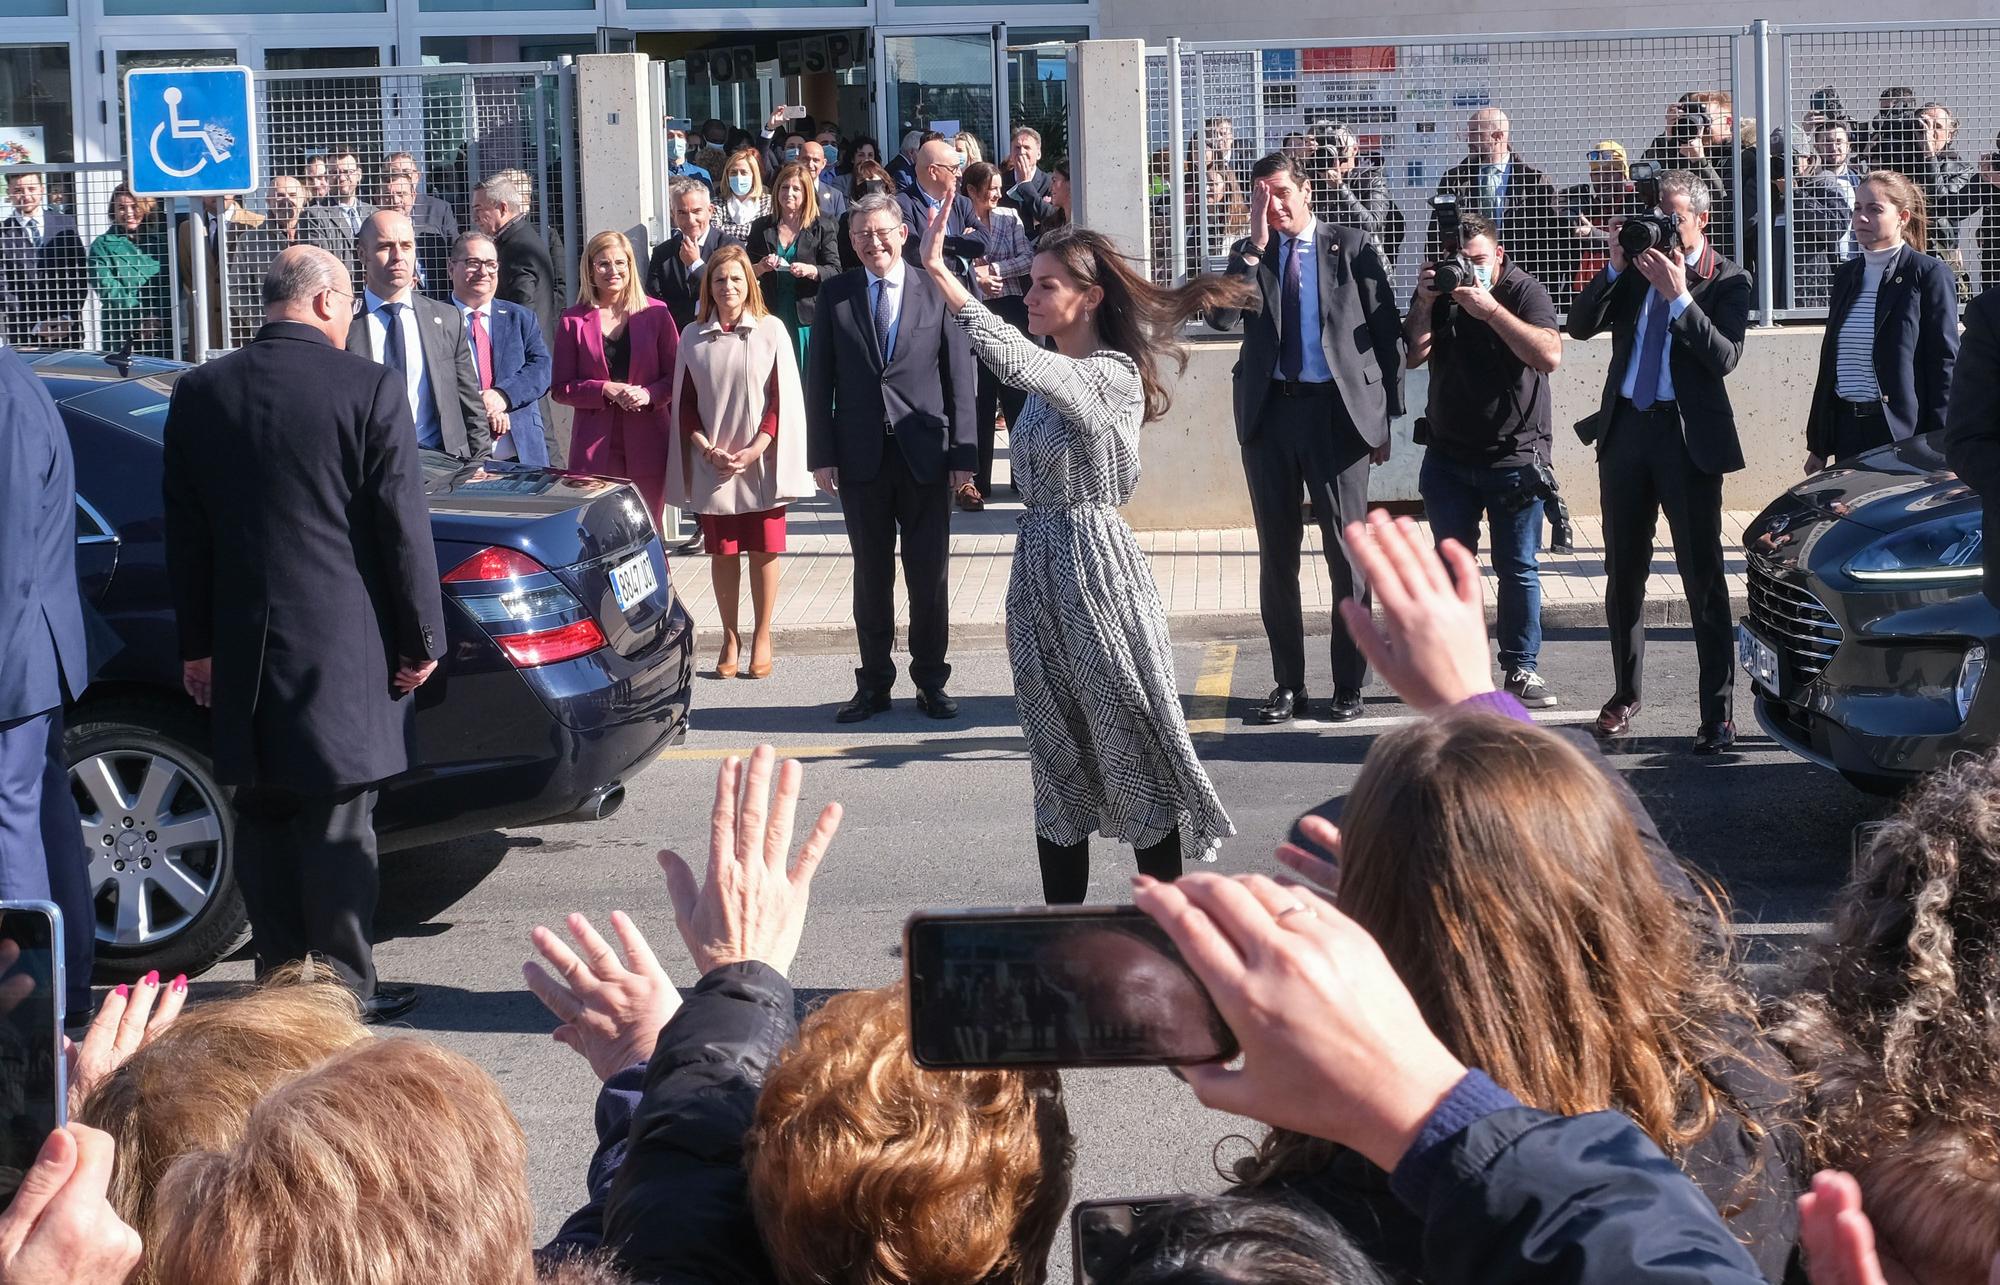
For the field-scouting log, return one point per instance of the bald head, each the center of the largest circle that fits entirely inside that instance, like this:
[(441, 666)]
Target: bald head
[(937, 162), (388, 248), (1487, 136), (305, 284)]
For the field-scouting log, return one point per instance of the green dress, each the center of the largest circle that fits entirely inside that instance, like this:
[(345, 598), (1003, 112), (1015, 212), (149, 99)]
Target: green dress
[(781, 296), (130, 275)]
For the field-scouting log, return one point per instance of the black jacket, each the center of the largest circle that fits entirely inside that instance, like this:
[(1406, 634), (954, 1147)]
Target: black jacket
[(299, 551), (679, 1209), (1916, 342), (528, 272), (1707, 342), (45, 286), (818, 244), (1972, 424), (448, 368), (670, 281), (1530, 223), (1361, 330), (926, 390)]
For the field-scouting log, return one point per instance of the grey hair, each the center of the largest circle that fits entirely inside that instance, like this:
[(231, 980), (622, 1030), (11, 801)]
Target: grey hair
[(1688, 184), (687, 185), (1028, 130), (874, 203), (912, 138), (300, 273), (504, 192)]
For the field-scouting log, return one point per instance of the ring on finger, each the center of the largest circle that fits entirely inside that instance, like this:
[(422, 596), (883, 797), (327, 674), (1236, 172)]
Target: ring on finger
[(1295, 908)]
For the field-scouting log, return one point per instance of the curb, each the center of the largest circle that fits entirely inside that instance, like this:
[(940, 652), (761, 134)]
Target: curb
[(838, 640)]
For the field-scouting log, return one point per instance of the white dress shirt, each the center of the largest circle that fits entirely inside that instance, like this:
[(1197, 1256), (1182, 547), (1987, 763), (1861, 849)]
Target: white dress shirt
[(423, 406), (1675, 307)]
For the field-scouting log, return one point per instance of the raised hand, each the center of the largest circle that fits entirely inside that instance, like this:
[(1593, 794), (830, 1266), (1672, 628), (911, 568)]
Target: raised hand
[(612, 1008), (1431, 643), (128, 1017)]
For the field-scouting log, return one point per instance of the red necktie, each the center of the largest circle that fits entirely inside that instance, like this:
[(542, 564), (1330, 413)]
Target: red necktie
[(482, 351)]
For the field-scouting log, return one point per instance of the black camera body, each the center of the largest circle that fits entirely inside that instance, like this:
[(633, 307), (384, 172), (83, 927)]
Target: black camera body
[(1451, 273), (1643, 232), (1542, 485), (1690, 123)]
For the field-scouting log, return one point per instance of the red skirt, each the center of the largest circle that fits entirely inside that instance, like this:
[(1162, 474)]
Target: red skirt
[(729, 533)]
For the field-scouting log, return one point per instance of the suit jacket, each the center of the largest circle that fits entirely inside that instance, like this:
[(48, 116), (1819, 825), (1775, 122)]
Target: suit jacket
[(448, 366), (434, 214), (925, 391), (521, 374), (1360, 330), (300, 557), (1972, 423), (1030, 200), (45, 284), (819, 244), (1916, 342), (1531, 223), (528, 271), (904, 172), (673, 283), (832, 200), (324, 226), (41, 614), (959, 223), (1706, 342)]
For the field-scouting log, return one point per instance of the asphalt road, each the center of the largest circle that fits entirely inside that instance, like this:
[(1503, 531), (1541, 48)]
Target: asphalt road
[(938, 814)]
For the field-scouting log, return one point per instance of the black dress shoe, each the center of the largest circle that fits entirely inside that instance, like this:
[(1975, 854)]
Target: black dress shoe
[(1346, 706), (1615, 719), (933, 701), (693, 544), (388, 1003), (1282, 706), (865, 705), (1713, 738)]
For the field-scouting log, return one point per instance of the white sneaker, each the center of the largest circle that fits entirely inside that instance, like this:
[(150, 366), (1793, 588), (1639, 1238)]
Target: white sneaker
[(1526, 686)]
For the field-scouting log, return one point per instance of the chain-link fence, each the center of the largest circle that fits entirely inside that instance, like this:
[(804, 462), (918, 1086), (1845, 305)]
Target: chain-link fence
[(1538, 132), (99, 269), (1920, 99)]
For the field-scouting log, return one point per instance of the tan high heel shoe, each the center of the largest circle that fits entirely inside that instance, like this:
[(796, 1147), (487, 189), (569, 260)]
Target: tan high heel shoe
[(758, 668), (725, 664)]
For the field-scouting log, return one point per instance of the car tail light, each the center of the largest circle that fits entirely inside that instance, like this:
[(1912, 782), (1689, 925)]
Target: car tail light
[(530, 615)]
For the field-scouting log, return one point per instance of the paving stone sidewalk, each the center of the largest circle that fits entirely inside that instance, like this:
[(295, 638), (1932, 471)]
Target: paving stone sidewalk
[(1208, 579)]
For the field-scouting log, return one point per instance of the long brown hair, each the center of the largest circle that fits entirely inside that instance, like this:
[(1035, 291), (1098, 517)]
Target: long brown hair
[(1138, 318), (1507, 882), (753, 301), (1909, 198)]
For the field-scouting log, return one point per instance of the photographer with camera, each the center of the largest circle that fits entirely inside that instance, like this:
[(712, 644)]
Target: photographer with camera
[(1346, 190), (1489, 331), (1665, 435), (1701, 138)]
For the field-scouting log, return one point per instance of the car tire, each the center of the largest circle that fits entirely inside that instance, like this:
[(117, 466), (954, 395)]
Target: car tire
[(153, 758)]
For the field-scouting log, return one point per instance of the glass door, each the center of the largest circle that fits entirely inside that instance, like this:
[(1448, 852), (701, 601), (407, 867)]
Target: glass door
[(939, 79)]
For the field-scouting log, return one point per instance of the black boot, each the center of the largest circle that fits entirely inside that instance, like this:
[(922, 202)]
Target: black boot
[(1162, 860), (1065, 871)]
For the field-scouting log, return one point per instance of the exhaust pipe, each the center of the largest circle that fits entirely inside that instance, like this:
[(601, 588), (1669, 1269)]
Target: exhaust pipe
[(603, 802)]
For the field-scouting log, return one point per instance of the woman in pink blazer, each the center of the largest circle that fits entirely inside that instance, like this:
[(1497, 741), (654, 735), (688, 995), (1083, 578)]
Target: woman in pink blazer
[(614, 362)]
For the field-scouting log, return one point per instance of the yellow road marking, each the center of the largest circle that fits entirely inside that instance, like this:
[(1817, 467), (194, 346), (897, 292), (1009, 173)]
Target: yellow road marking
[(1211, 690)]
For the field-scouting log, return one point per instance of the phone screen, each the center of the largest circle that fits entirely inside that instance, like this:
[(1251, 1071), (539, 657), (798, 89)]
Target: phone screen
[(1051, 988), (1100, 1230), (31, 1065)]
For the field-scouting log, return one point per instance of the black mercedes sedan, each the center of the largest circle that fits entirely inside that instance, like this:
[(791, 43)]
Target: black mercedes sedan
[(567, 668), (1867, 637)]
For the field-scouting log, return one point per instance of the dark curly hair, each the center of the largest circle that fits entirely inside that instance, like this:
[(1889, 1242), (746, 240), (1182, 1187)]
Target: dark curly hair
[(1894, 1022)]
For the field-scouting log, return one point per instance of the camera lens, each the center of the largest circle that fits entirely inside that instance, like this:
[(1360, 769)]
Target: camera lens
[(1447, 277)]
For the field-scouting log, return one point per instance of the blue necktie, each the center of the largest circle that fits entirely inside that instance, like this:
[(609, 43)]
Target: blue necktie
[(1645, 389), (392, 338), (1292, 348)]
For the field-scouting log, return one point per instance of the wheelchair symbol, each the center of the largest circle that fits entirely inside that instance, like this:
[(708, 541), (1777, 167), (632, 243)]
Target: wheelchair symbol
[(216, 140)]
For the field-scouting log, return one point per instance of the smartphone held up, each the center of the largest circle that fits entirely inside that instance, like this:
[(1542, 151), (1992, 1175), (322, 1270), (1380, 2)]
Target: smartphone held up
[(1054, 987), (32, 1072)]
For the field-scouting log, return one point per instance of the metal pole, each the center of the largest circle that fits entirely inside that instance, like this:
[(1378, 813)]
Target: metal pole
[(226, 339), (1201, 132), (542, 84), (469, 95), (198, 265), (1177, 184), (174, 280), (1760, 40), (566, 127), (1002, 101), (1792, 144), (1257, 105)]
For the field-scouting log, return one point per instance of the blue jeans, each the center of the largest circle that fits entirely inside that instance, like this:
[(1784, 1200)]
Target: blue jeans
[(1455, 497)]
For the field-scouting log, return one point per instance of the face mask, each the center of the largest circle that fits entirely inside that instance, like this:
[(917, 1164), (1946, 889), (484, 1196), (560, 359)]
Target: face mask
[(739, 184), (832, 154), (791, 155), (677, 150), (961, 160), (1483, 273)]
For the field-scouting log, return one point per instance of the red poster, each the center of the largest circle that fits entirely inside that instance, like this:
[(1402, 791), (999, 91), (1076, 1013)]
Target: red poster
[(1349, 58)]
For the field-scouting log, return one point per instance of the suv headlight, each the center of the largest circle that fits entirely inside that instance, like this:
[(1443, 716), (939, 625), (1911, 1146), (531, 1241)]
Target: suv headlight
[(1969, 675), (1942, 552)]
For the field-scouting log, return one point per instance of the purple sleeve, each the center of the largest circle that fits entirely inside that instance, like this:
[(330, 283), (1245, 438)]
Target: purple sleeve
[(1501, 703)]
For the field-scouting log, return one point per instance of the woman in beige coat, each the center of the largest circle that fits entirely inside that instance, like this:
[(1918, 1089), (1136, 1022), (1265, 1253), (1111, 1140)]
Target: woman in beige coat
[(740, 454)]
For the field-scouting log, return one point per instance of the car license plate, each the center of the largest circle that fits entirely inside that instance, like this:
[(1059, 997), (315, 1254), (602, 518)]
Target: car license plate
[(1759, 660), (634, 580)]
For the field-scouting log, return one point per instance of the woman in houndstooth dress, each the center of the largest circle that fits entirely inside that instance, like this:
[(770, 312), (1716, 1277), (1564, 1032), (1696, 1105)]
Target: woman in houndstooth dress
[(1108, 746)]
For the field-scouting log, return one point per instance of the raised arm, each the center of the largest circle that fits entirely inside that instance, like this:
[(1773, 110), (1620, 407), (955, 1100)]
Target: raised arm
[(1094, 392)]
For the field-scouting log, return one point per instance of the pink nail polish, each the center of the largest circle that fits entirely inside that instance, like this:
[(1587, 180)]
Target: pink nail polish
[(124, 991), (180, 983), (152, 978)]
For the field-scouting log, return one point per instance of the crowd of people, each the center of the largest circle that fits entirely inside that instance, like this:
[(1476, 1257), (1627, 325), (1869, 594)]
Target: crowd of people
[(1494, 1026)]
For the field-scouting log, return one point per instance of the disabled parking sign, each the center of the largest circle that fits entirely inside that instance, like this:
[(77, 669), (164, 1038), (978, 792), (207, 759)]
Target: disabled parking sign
[(190, 131)]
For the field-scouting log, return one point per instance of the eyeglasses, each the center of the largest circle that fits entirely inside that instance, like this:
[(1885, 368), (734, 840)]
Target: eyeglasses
[(882, 237), (478, 265)]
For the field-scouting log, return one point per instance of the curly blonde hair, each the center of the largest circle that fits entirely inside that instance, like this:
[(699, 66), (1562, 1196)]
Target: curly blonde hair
[(866, 1170), (1894, 1022)]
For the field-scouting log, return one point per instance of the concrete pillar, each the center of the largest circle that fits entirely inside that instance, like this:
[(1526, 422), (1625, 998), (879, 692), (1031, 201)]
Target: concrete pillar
[(614, 115), (1107, 141)]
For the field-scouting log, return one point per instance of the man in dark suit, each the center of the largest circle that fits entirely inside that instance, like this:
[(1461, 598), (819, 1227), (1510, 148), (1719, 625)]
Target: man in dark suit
[(1320, 378), (423, 339), (1026, 187), (674, 274), (44, 269), (308, 609), (937, 168), (511, 361), (41, 634), (889, 428), (430, 213), (1666, 435), (1514, 196), (333, 223), (527, 272), (902, 166), (433, 248), (1972, 422)]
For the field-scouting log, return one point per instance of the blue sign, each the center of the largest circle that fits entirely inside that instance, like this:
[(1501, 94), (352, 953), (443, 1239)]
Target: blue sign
[(190, 131)]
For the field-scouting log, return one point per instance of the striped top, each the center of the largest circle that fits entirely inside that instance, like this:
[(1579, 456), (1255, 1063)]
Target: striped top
[(1854, 356)]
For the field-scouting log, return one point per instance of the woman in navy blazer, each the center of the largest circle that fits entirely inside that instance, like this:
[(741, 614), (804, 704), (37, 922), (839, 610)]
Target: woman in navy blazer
[(1891, 332)]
